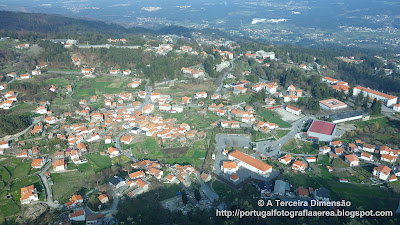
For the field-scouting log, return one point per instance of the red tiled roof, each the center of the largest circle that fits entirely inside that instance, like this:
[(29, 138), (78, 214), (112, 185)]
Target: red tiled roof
[(322, 127)]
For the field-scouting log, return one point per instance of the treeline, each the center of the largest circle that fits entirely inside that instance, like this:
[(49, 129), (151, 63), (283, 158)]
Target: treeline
[(12, 124)]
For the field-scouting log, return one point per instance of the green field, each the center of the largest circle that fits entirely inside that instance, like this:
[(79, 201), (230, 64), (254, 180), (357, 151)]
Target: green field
[(169, 191), (302, 148), (194, 119), (267, 115), (14, 175), (98, 161), (67, 184)]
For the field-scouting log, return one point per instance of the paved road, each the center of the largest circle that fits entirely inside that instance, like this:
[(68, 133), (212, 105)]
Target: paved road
[(206, 189), (110, 210), (117, 140), (220, 86), (275, 146), (79, 73), (47, 188)]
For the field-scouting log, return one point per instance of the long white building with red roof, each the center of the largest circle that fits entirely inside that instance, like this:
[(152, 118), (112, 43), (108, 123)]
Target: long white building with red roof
[(250, 163), (389, 100)]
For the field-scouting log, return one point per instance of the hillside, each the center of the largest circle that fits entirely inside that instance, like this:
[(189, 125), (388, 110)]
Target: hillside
[(46, 23)]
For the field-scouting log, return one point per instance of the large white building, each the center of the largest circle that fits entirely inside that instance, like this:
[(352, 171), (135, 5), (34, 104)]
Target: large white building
[(250, 163), (332, 104), (293, 110), (262, 54), (389, 100)]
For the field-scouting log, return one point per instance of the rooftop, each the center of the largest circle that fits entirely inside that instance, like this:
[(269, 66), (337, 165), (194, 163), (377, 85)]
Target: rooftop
[(322, 127)]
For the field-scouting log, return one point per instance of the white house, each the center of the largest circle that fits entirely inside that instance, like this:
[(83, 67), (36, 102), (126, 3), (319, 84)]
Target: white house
[(59, 165), (366, 156), (29, 194), (250, 163), (382, 172), (229, 167), (38, 163), (293, 110)]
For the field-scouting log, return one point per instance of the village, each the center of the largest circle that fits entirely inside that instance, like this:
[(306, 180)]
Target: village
[(186, 136)]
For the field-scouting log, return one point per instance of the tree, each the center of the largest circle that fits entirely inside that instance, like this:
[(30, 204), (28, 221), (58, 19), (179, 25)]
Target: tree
[(185, 198), (197, 194), (376, 107)]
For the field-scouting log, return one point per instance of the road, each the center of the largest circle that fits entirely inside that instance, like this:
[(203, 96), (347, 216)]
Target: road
[(47, 188), (146, 101), (206, 189), (220, 86), (275, 146), (79, 73), (111, 210)]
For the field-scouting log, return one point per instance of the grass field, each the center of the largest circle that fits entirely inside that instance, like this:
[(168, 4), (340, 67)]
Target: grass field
[(267, 115), (98, 161), (169, 191), (194, 119), (15, 174), (282, 133), (66, 184), (302, 148)]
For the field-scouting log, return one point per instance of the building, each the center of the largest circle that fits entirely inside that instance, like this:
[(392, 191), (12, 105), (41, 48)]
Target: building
[(299, 165), (59, 165), (396, 107), (38, 163), (321, 130), (332, 104), (281, 187), (116, 182), (77, 215), (103, 198), (321, 194), (366, 156), (324, 149), (28, 195), (286, 159), (352, 160), (148, 108), (382, 172), (346, 116), (329, 80), (229, 167), (4, 144), (250, 163), (293, 110), (389, 100)]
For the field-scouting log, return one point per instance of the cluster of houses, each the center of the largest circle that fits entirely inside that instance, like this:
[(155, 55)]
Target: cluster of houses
[(123, 40), (126, 72), (192, 72), (35, 72), (8, 100), (366, 152), (338, 85), (297, 164)]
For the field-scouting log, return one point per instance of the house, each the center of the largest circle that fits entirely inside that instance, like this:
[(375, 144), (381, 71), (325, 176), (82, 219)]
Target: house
[(126, 139), (176, 109), (201, 94), (281, 187), (74, 201), (103, 198), (148, 108), (299, 166), (321, 194), (77, 215), (234, 177), (81, 147), (53, 88), (229, 167), (113, 152), (302, 192), (388, 158), (7, 104), (108, 140), (337, 143), (36, 72), (41, 110), (366, 156), (368, 148), (311, 159), (28, 195), (352, 160), (286, 159), (136, 175), (59, 165), (25, 76), (329, 168), (382, 172), (239, 90), (293, 110), (396, 170), (271, 87), (205, 176), (4, 144), (38, 163), (324, 149), (116, 182), (339, 151)]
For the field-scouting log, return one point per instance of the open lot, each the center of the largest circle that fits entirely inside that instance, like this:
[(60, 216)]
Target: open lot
[(270, 116), (187, 89), (300, 147), (286, 116)]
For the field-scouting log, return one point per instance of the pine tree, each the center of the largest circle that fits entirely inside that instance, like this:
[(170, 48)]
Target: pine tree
[(185, 198), (197, 194)]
